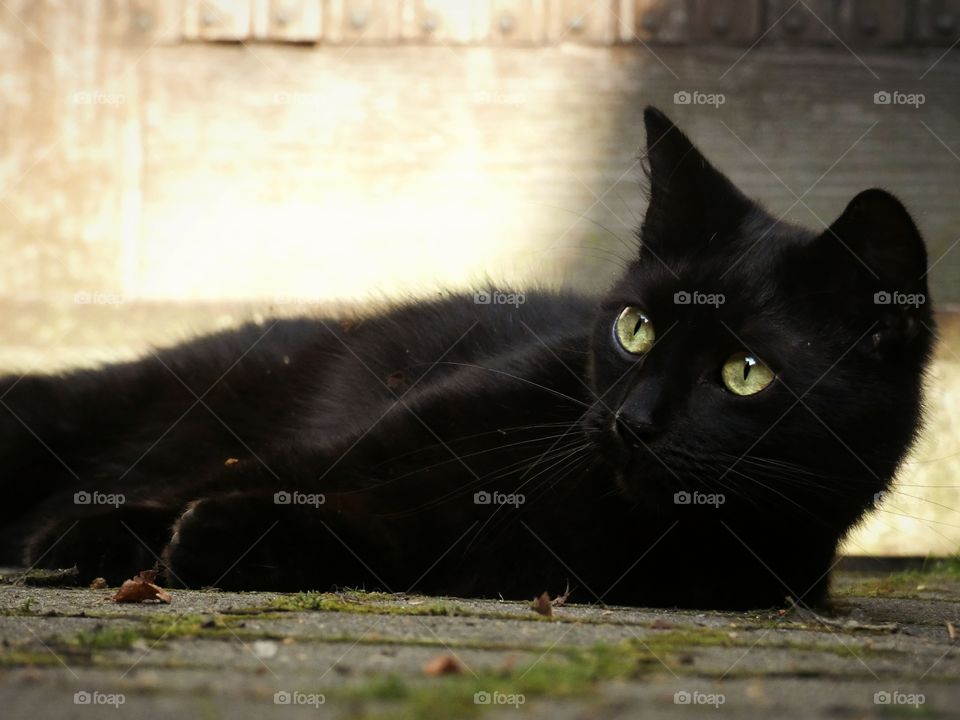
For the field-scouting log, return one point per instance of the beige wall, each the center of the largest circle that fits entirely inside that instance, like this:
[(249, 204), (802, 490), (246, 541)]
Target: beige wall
[(149, 190)]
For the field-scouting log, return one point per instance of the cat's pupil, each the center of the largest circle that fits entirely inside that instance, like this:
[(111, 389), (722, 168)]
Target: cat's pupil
[(633, 330)]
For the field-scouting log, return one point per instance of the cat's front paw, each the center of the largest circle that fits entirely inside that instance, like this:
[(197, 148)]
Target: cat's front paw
[(115, 545), (234, 542)]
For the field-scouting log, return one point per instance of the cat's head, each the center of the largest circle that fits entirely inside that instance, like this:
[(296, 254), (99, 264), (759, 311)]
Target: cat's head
[(751, 373)]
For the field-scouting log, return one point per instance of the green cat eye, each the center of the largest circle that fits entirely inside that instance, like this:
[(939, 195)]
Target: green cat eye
[(634, 331), (743, 374)]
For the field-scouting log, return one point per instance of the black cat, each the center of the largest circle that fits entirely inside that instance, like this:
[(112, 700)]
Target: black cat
[(702, 435)]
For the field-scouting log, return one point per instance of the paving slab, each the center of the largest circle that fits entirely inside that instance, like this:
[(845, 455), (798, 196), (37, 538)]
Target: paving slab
[(883, 648)]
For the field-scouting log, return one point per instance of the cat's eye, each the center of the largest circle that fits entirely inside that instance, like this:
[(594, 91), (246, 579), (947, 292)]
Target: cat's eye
[(634, 331), (743, 374)]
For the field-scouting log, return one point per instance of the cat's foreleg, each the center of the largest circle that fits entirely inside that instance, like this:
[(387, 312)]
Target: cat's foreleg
[(258, 540)]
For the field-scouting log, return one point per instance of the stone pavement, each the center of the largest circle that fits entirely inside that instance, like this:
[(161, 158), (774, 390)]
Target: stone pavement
[(886, 648)]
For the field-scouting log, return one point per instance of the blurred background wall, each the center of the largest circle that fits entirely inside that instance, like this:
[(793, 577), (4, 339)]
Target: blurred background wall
[(170, 167)]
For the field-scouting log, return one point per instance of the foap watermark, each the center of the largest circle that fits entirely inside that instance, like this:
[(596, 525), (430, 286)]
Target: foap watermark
[(695, 97), (495, 297), (295, 697), (482, 697), (309, 300), (293, 497), (85, 497), (97, 97), (898, 298), (298, 99), (94, 697), (498, 498), (683, 297), (484, 97), (698, 498), (895, 697), (86, 297), (895, 97), (695, 697)]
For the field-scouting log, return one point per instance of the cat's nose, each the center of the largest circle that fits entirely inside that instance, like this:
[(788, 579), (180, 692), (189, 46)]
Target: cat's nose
[(634, 428)]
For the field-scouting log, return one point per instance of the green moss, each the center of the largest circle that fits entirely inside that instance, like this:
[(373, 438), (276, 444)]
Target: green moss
[(942, 574), (566, 673), (20, 658), (156, 628), (161, 627), (374, 604), (25, 608), (107, 638), (569, 673), (687, 637), (335, 602), (389, 687), (40, 577), (373, 595), (843, 651)]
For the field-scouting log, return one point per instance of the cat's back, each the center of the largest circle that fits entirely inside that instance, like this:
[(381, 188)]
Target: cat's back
[(475, 325), (468, 343)]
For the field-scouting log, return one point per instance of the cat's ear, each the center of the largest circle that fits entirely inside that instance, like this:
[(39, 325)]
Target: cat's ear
[(878, 231), (875, 250), (691, 202)]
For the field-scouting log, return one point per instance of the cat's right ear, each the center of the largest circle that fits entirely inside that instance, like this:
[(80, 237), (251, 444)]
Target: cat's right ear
[(874, 252), (691, 202), (877, 231)]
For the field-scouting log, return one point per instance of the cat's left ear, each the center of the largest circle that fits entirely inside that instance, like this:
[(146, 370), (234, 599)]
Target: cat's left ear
[(691, 202), (875, 250)]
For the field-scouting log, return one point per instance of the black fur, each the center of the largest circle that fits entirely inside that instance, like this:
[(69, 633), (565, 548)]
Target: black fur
[(398, 419)]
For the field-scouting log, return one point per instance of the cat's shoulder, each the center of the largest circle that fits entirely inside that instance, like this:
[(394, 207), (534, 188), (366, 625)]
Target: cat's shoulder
[(499, 307)]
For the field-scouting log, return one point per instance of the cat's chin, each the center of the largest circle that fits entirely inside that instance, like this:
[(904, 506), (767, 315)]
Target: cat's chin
[(643, 484), (636, 472)]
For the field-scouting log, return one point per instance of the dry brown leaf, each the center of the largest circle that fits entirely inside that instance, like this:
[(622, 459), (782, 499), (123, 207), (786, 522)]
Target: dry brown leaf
[(542, 604), (98, 583), (561, 600), (443, 665), (142, 589), (31, 674)]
